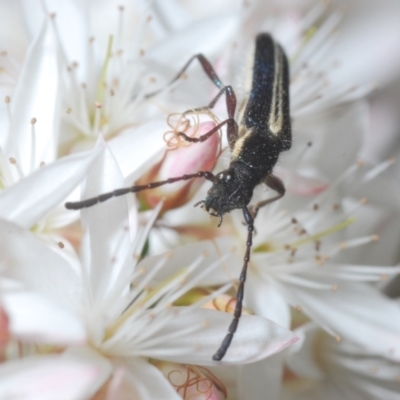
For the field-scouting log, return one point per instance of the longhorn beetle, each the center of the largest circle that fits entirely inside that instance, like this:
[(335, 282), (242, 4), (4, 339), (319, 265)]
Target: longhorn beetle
[(256, 140)]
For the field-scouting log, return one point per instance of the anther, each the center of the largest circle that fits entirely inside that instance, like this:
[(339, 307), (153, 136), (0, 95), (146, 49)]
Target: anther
[(375, 237)]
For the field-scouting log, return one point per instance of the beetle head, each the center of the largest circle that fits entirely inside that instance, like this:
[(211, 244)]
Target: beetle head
[(228, 192)]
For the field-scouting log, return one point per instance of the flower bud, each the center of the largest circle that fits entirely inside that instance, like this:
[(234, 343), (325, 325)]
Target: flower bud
[(187, 159), (4, 331), (191, 382)]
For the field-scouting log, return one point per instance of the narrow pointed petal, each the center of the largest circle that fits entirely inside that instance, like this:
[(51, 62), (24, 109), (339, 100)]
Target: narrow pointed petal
[(61, 377), (32, 198), (71, 22), (38, 96), (27, 259), (107, 225)]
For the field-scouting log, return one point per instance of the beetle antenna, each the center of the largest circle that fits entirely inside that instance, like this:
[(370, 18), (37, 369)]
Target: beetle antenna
[(220, 353), (77, 205)]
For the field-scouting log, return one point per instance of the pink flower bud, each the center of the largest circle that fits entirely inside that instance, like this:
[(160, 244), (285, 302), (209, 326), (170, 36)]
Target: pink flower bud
[(4, 331), (187, 159), (192, 382)]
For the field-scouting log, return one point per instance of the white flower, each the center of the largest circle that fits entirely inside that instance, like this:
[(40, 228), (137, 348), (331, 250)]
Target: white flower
[(339, 370), (107, 316), (323, 78)]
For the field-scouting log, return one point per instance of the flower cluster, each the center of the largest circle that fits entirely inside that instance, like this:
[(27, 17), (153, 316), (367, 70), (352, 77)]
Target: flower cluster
[(130, 298)]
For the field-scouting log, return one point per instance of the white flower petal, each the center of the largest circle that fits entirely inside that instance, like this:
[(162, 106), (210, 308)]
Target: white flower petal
[(31, 199), (37, 95), (354, 311), (209, 36), (342, 369), (137, 149), (71, 22), (301, 356), (107, 225), (265, 299), (37, 319), (184, 255), (328, 134), (60, 377), (379, 61), (27, 259), (255, 339)]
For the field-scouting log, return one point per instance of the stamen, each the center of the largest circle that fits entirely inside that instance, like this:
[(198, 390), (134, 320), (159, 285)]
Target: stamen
[(353, 243), (316, 237), (349, 171), (316, 40), (7, 100), (374, 172), (84, 129), (97, 118), (141, 238), (120, 27), (152, 296), (14, 162), (14, 63), (102, 81), (5, 74), (33, 144)]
